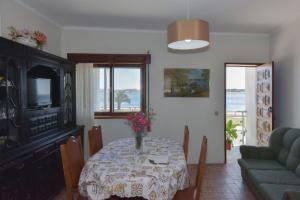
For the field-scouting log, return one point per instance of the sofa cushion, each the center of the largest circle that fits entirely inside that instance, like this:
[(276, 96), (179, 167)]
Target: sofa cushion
[(275, 192), (298, 170), (276, 139), (259, 153), (260, 164), (283, 177), (293, 159), (287, 141)]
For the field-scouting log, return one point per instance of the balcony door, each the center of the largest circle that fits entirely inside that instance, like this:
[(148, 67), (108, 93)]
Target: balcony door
[(265, 100), (249, 100)]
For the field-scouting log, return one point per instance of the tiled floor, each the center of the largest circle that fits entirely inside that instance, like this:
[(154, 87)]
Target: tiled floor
[(224, 182), (233, 154), (221, 182)]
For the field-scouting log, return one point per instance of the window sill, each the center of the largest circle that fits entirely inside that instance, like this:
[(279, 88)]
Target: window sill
[(121, 115), (110, 117)]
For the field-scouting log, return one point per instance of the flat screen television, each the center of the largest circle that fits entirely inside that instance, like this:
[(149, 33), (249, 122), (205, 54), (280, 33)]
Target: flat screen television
[(39, 92)]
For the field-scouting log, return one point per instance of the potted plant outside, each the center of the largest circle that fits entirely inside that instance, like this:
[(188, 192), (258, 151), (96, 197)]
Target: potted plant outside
[(231, 133)]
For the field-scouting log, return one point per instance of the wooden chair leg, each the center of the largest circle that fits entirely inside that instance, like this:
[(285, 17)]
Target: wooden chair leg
[(82, 198), (69, 193)]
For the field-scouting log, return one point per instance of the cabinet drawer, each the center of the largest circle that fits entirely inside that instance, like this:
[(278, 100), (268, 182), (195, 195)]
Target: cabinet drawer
[(17, 164), (45, 152)]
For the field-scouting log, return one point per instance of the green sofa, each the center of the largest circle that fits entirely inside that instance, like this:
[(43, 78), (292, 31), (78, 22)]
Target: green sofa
[(273, 172)]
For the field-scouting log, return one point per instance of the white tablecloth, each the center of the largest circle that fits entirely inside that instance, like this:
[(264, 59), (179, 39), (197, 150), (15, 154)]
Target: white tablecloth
[(118, 170)]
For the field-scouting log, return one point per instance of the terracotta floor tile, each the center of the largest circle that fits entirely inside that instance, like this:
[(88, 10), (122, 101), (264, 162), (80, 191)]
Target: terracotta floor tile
[(224, 182)]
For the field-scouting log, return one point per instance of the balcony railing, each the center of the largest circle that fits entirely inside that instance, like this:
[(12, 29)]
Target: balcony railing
[(239, 118), (122, 109)]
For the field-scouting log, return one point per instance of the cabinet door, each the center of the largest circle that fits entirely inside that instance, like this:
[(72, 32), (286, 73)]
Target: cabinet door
[(8, 190), (3, 103), (26, 186), (69, 96), (13, 99), (16, 181), (48, 175), (10, 102)]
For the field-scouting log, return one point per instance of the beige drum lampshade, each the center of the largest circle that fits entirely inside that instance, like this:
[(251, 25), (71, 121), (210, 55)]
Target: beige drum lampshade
[(188, 34)]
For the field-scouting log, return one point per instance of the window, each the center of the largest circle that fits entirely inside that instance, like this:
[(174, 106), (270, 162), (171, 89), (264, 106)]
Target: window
[(120, 89), (120, 82)]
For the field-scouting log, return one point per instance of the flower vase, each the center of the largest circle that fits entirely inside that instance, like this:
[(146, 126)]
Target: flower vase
[(139, 143), (40, 47), (27, 41)]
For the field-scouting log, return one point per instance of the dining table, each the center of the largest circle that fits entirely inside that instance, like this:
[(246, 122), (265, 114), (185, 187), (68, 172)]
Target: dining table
[(118, 169)]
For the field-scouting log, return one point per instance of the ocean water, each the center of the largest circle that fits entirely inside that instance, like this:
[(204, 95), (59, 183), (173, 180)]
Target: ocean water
[(134, 96), (235, 101)]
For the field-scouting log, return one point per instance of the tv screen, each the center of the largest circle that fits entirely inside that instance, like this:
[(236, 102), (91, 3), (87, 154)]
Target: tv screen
[(39, 92)]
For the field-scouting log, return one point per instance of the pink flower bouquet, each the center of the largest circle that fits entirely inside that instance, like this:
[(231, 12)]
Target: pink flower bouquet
[(140, 124)]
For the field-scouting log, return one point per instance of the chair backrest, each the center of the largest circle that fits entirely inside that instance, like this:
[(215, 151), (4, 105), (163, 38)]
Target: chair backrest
[(72, 160), (201, 167), (95, 139), (186, 139)]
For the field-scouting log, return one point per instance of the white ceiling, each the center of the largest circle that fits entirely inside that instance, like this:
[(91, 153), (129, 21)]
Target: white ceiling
[(240, 16)]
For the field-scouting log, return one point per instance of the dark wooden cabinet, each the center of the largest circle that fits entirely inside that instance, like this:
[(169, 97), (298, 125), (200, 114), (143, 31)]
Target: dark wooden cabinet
[(10, 101), (69, 95), (30, 162)]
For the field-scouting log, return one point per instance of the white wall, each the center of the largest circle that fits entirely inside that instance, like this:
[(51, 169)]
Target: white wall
[(20, 16), (250, 86), (0, 17), (174, 113), (285, 51)]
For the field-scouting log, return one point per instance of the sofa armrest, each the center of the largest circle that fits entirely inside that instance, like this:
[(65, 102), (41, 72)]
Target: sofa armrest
[(291, 195), (253, 152)]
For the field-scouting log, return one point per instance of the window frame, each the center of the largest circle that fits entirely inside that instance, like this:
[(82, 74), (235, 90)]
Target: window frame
[(118, 60), (111, 113)]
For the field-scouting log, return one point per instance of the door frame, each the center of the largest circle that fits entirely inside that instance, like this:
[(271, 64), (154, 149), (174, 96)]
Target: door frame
[(232, 64)]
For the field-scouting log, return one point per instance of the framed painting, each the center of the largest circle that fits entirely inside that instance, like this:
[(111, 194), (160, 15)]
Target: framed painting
[(184, 82)]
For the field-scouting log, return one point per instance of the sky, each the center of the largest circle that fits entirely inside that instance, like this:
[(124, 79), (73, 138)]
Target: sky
[(124, 78), (235, 78)]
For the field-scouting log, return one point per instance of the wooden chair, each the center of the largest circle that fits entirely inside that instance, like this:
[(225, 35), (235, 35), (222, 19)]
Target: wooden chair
[(95, 139), (72, 160), (186, 139), (193, 192)]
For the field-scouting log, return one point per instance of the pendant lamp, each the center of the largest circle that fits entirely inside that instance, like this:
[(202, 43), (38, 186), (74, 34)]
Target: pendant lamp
[(187, 34)]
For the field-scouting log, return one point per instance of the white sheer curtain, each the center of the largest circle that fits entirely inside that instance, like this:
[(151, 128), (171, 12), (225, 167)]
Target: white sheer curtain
[(85, 95)]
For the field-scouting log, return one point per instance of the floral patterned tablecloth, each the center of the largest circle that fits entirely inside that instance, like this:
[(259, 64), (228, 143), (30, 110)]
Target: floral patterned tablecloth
[(118, 170)]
